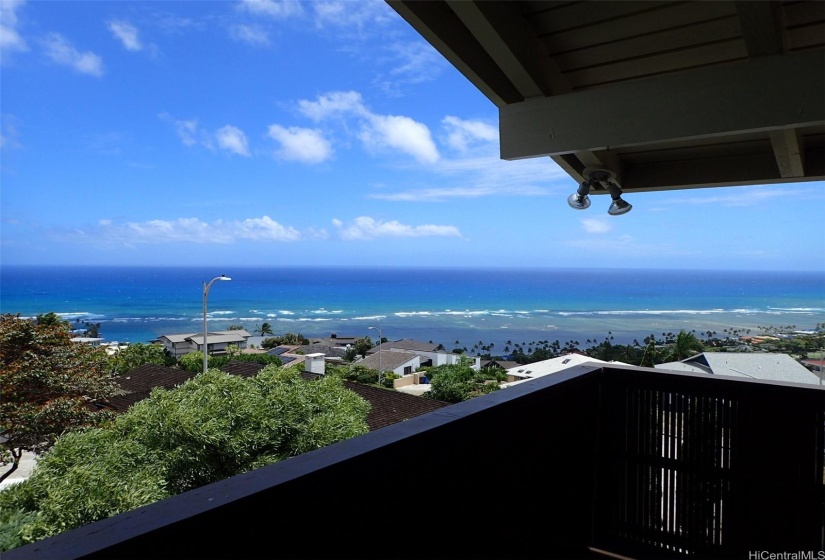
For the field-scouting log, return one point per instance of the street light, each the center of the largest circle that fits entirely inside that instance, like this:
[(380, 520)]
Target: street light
[(380, 341), (205, 332)]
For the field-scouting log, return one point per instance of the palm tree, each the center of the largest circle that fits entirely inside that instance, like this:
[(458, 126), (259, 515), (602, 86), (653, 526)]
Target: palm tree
[(265, 329), (685, 346)]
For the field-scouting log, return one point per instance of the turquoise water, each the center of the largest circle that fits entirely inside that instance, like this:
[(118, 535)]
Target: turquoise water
[(137, 304)]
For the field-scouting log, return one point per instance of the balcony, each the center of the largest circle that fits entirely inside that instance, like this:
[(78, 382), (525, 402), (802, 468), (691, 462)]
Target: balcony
[(586, 463)]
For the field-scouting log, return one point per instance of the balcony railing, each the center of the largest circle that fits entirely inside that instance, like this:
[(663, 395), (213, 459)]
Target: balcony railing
[(625, 461)]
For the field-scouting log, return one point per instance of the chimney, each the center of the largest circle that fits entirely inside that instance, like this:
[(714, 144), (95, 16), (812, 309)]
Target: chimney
[(314, 363)]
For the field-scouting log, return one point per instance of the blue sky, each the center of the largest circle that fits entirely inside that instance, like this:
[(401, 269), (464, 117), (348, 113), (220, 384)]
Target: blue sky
[(315, 133)]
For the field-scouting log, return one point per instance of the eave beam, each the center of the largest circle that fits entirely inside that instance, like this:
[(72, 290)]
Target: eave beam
[(762, 94)]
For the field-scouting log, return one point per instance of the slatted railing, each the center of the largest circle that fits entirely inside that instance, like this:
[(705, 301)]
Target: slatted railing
[(629, 461)]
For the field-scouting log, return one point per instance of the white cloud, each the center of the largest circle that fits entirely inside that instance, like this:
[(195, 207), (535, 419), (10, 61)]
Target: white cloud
[(402, 133), (484, 174), (351, 16), (192, 230), (365, 227), (61, 51), (127, 34), (8, 132), (753, 196), (460, 133), (593, 225), (300, 144), (378, 132), (277, 9), (10, 38), (187, 131), (333, 104), (233, 139), (229, 138), (411, 63), (251, 34)]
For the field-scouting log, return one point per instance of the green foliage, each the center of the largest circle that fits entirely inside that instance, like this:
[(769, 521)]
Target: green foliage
[(354, 372), (51, 320), (460, 382), (387, 378), (684, 346), (235, 328), (264, 329), (193, 361), (136, 355), (211, 427), (45, 383), (289, 339), (362, 345), (12, 521)]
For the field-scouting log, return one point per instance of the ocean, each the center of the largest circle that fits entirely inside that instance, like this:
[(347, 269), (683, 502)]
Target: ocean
[(452, 306)]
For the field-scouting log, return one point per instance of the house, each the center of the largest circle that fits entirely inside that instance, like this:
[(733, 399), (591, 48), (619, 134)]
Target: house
[(815, 365), (524, 372), (178, 345), (431, 354), (500, 364), (753, 365), (399, 362)]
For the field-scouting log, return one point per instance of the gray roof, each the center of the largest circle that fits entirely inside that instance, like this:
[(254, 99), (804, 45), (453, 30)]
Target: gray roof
[(327, 350), (389, 360), (405, 344), (754, 365), (236, 335)]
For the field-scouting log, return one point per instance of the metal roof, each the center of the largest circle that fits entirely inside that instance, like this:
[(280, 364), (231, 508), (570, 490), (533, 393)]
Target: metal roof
[(755, 365), (665, 94)]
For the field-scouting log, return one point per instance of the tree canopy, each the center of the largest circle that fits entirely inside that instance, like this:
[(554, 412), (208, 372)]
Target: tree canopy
[(211, 427), (460, 382), (136, 355), (47, 385)]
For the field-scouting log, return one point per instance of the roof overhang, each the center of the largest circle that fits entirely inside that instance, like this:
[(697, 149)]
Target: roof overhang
[(665, 94)]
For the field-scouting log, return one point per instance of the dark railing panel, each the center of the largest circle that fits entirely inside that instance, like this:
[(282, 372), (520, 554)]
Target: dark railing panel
[(507, 475), (635, 462), (707, 467)]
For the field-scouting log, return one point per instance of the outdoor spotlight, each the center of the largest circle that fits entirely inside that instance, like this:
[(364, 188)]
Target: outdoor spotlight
[(606, 179), (619, 207), (579, 199)]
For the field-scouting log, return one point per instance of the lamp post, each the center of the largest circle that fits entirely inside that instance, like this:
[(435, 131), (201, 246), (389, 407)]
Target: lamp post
[(205, 332), (380, 341)]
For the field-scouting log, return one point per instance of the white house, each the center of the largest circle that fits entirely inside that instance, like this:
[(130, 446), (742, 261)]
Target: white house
[(216, 342), (522, 373), (398, 362), (429, 355)]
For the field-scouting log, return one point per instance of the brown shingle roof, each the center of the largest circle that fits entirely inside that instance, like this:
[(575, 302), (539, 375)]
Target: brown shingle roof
[(388, 407), (138, 383), (243, 369)]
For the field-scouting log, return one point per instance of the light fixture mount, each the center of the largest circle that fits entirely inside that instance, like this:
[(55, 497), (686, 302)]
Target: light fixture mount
[(597, 175)]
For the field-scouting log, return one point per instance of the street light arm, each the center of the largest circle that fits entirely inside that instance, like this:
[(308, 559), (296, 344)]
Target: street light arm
[(206, 288)]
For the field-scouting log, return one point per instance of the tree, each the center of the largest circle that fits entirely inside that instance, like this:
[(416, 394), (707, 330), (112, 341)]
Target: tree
[(685, 345), (290, 339), (264, 329), (193, 361), (136, 355), (459, 382), (363, 345), (51, 319), (46, 385), (212, 427)]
